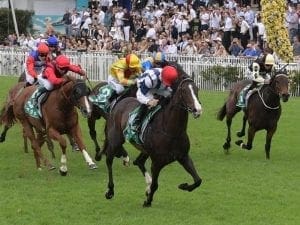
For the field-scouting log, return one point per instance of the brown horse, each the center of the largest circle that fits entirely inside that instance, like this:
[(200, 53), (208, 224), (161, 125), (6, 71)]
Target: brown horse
[(263, 110), (165, 138), (59, 117), (7, 112), (98, 113)]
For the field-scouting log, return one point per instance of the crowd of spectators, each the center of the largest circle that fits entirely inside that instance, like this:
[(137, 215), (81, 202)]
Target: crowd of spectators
[(212, 28)]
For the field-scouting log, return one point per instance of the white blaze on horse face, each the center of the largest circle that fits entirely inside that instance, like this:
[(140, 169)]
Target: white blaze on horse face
[(87, 105), (197, 105)]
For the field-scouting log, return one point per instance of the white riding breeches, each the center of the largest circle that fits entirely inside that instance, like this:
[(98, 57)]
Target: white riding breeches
[(119, 88), (45, 83)]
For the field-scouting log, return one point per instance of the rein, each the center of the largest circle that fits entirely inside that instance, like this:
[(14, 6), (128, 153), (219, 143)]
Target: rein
[(261, 95), (182, 105)]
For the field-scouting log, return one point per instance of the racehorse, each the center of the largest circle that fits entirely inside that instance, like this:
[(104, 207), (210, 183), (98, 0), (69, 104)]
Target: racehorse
[(262, 112), (59, 116), (166, 139), (98, 113), (7, 112)]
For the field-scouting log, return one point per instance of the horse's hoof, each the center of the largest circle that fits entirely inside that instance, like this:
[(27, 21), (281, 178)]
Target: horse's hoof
[(63, 173), (75, 148), (239, 143), (146, 204), (240, 134), (51, 167), (2, 139), (226, 146), (98, 156), (109, 195), (39, 168), (93, 166), (183, 186), (126, 161)]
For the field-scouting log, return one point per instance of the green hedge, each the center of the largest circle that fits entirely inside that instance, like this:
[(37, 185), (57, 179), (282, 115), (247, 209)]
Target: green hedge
[(24, 21)]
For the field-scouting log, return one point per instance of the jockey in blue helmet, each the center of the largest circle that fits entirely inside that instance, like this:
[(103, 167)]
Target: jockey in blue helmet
[(52, 42)]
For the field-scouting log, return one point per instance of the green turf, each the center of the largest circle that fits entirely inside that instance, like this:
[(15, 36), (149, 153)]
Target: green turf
[(241, 188)]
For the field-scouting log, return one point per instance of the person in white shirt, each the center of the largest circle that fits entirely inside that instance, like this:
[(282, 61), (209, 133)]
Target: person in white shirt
[(244, 32)]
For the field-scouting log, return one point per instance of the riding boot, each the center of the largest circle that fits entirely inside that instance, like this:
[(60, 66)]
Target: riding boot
[(140, 117), (39, 93)]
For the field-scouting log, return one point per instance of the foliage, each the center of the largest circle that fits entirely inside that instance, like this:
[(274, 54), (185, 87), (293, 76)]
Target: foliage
[(239, 188), (218, 73), (294, 81), (23, 18), (273, 16)]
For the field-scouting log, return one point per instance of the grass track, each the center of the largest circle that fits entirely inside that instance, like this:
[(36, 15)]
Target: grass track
[(241, 188)]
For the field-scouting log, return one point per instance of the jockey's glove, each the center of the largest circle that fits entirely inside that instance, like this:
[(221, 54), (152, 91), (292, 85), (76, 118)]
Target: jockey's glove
[(152, 103)]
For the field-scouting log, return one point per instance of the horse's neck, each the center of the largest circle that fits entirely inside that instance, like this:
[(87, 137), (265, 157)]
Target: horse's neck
[(269, 95), (174, 120), (63, 100)]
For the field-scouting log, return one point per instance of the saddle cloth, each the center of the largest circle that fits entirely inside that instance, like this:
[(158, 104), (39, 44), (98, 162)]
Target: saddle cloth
[(101, 98), (132, 133), (33, 106)]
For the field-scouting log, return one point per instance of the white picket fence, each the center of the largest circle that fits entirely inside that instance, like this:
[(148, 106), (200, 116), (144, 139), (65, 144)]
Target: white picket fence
[(201, 68)]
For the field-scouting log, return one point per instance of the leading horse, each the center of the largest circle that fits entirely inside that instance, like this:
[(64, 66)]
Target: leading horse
[(262, 112), (59, 117), (165, 138)]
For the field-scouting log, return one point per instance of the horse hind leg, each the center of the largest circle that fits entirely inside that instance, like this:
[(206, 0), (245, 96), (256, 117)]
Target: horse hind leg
[(140, 162), (188, 165), (251, 135), (226, 145), (3, 134), (109, 162)]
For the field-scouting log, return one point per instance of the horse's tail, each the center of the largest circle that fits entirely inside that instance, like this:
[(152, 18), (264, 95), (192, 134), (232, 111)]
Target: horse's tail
[(7, 116), (222, 112)]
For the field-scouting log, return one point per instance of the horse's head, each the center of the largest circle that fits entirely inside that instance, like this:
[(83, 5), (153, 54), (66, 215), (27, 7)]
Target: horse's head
[(280, 83), (187, 92), (79, 97)]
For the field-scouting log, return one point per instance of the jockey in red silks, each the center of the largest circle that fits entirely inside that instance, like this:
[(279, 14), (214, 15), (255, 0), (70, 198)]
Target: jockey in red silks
[(52, 76), (35, 63)]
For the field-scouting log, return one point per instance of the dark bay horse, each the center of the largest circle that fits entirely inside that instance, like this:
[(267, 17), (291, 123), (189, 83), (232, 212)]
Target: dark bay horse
[(165, 138), (98, 113), (59, 117), (263, 110)]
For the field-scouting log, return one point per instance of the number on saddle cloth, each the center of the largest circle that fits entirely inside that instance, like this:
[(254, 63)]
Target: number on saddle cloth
[(133, 131), (101, 99), (246, 93)]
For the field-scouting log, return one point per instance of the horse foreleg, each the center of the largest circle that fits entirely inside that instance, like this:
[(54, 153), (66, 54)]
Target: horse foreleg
[(55, 135), (25, 142), (109, 162), (188, 165), (77, 136), (242, 132), (140, 162), (50, 146), (226, 145), (251, 135), (93, 133), (269, 136), (155, 170)]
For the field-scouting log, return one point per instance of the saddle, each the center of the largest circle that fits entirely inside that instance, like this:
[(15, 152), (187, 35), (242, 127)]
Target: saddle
[(245, 94), (134, 132)]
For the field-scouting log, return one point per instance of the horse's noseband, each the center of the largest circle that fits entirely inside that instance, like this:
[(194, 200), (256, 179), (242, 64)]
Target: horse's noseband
[(182, 104)]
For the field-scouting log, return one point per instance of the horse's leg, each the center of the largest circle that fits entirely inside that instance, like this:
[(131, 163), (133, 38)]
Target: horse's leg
[(155, 170), (29, 133), (55, 135), (269, 136), (125, 157), (50, 146), (242, 132), (3, 134), (41, 141), (251, 135), (188, 165), (140, 162), (93, 132), (226, 145), (25, 141), (109, 162), (77, 136)]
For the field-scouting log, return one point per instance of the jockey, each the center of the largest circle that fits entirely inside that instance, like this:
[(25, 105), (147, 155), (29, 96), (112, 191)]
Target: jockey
[(52, 77), (55, 51), (123, 73), (157, 60), (156, 81), (261, 69), (35, 63)]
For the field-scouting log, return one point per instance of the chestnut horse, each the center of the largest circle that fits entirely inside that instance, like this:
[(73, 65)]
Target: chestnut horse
[(165, 138), (59, 117), (263, 110)]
